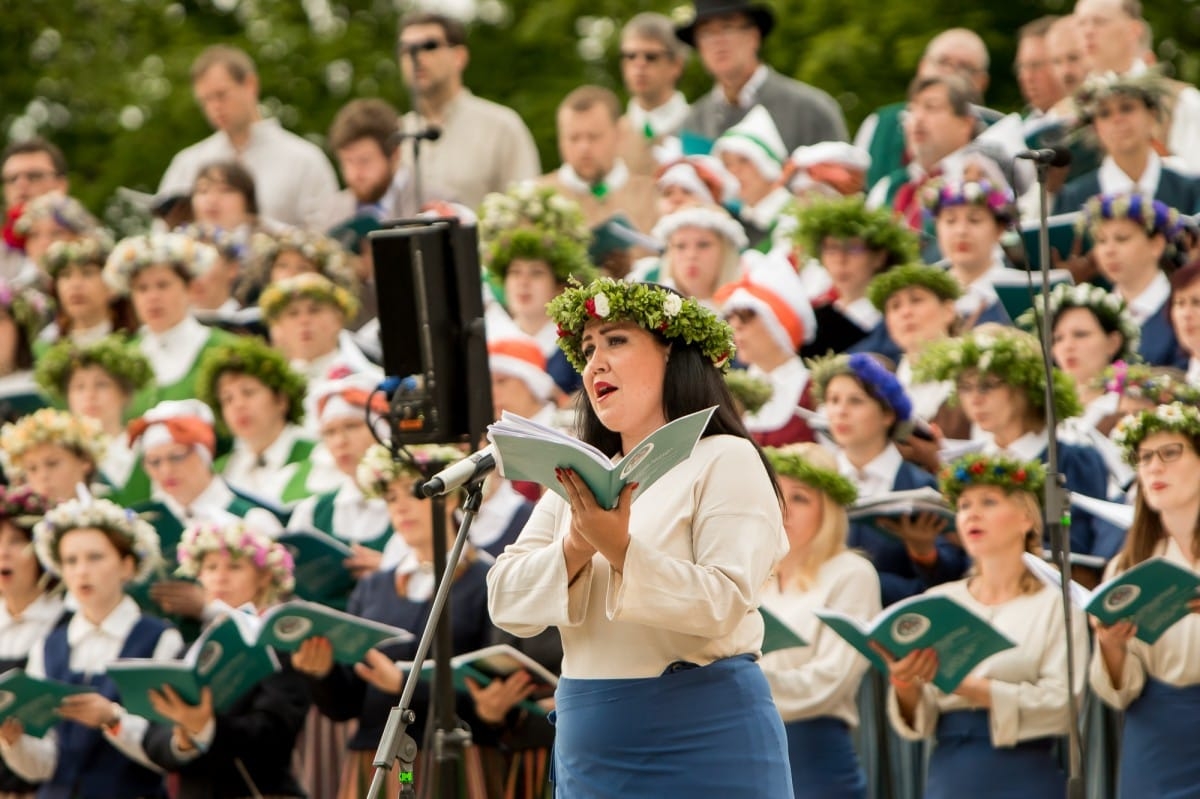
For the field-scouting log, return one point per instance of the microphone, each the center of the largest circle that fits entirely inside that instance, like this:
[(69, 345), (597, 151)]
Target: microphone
[(1049, 156), (460, 474), (429, 134)]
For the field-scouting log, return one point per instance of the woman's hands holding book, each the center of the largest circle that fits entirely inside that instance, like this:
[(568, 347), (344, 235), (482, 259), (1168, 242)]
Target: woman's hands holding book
[(1113, 641), (314, 657), (908, 676), (11, 730), (493, 702), (379, 670), (190, 720), (919, 534), (593, 527), (90, 710)]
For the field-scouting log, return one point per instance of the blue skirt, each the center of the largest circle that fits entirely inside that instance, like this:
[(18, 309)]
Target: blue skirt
[(1160, 749), (710, 731), (824, 763), (965, 763)]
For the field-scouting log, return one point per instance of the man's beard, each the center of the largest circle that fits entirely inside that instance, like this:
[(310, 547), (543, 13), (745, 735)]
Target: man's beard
[(374, 193)]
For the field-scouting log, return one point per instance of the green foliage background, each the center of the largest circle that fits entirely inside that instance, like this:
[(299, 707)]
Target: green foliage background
[(107, 79)]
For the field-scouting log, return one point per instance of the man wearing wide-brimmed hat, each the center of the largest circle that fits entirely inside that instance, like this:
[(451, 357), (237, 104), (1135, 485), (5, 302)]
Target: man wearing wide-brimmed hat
[(728, 35)]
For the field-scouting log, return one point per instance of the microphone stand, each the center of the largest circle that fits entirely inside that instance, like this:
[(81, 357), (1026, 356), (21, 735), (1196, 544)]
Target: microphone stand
[(450, 738), (430, 132), (1057, 499)]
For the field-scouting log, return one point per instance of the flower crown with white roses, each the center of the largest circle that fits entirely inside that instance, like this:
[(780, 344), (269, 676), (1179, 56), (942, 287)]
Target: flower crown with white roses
[(27, 306), (651, 306), (535, 222), (1131, 431), (326, 254), (1109, 309), (310, 286), (1001, 471), (65, 211), (240, 541), (77, 434), (190, 258), (378, 468), (1150, 87), (88, 512), (89, 249), (940, 193), (231, 244), (1011, 355)]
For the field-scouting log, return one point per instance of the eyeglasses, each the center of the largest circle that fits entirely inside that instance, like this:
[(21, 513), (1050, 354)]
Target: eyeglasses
[(649, 56), (426, 46), (982, 388), (33, 176), (174, 459), (1167, 453)]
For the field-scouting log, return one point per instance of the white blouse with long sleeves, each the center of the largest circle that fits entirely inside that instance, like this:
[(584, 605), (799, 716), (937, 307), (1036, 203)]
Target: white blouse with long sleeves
[(703, 541), (1172, 659), (1028, 682), (93, 646), (821, 679), (21, 634)]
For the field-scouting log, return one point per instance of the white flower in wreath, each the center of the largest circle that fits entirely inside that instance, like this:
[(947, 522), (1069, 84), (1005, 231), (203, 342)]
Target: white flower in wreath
[(972, 191), (985, 361), (672, 305), (1171, 413), (984, 340), (600, 302)]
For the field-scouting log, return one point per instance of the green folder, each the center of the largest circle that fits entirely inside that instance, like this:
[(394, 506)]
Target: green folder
[(961, 639), (288, 625), (34, 702), (777, 634), (495, 662), (1013, 290), (1062, 229), (321, 574), (1153, 595)]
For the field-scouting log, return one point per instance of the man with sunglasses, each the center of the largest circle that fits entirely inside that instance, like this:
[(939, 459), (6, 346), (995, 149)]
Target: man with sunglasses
[(480, 146), (652, 62)]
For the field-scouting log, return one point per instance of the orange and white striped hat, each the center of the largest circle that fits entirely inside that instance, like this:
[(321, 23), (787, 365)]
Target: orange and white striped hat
[(770, 287), (516, 354), (187, 421)]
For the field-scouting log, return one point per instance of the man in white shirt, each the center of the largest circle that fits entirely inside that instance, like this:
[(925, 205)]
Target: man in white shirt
[(482, 146), (652, 62), (292, 177), (1114, 36)]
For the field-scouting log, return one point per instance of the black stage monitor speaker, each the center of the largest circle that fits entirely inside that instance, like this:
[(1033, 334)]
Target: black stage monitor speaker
[(427, 281)]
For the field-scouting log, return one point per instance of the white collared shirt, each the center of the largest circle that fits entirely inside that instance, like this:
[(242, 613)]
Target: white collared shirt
[(173, 352), (420, 577), (347, 354), (617, 177), (665, 120), (19, 634), (766, 211), (267, 475), (861, 312), (787, 386), (119, 460), (1114, 181), (748, 94), (1028, 447), (355, 517), (1151, 300), (927, 398), (877, 476)]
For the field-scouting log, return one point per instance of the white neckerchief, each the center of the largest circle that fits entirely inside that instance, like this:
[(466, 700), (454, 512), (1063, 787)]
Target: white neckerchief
[(419, 587), (1028, 447), (356, 518), (1151, 300), (861, 312), (86, 336), (877, 476), (216, 496), (1114, 181), (666, 120), (173, 352), (108, 636), (494, 514), (613, 181)]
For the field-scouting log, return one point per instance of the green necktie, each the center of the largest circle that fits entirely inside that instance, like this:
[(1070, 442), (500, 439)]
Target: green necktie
[(648, 131), (600, 190)]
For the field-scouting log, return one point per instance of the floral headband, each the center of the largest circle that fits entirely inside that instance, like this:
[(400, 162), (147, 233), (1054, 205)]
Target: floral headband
[(308, 285), (240, 541), (1150, 87), (650, 306), (536, 222), (1011, 355), (91, 249), (1154, 216), (231, 244), (1001, 471), (27, 306), (1110, 309), (78, 434), (930, 278), (790, 464), (881, 384), (378, 468), (327, 255), (749, 391), (1160, 385), (939, 194), (101, 514), (849, 218), (189, 257), (127, 365), (1135, 428), (246, 355), (21, 506), (63, 210)]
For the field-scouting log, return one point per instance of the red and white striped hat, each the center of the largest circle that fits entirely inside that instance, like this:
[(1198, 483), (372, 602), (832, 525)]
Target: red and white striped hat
[(516, 354), (770, 287)]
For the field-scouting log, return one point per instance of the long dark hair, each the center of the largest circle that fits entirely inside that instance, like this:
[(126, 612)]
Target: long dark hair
[(691, 384)]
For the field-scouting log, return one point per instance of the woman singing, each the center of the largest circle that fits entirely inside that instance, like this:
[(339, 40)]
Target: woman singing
[(656, 605)]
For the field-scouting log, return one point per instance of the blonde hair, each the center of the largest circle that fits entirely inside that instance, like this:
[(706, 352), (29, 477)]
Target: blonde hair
[(830, 538), (1030, 584)]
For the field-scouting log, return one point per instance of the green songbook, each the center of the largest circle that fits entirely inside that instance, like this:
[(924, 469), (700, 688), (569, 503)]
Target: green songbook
[(1012, 287), (34, 702), (615, 234), (526, 450), (321, 573), (1062, 237), (961, 639), (1153, 595), (777, 634), (286, 626), (896, 505), (225, 658), (495, 662)]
